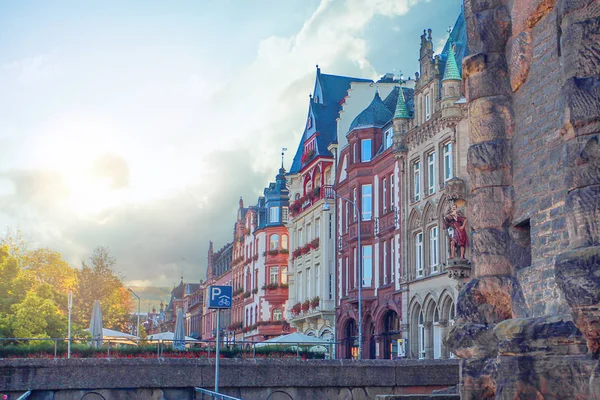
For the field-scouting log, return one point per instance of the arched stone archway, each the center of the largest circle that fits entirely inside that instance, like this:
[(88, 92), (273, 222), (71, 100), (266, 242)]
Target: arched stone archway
[(349, 342), (391, 332)]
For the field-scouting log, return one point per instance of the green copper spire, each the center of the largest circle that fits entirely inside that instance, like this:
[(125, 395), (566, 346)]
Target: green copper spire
[(451, 71), (401, 109)]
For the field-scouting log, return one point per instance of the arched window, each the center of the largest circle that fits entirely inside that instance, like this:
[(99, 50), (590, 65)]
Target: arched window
[(274, 242), (277, 314), (297, 196), (284, 242)]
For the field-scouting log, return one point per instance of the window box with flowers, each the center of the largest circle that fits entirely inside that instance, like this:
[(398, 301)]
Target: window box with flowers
[(284, 251), (255, 290), (284, 285), (314, 302), (314, 244), (246, 295), (315, 194), (306, 305), (297, 253), (308, 155), (273, 252), (296, 308), (270, 286), (255, 257)]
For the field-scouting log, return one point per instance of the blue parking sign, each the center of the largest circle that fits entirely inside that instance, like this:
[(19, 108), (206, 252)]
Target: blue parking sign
[(220, 296)]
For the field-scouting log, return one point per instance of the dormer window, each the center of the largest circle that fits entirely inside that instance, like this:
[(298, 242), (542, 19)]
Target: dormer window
[(389, 136), (273, 214)]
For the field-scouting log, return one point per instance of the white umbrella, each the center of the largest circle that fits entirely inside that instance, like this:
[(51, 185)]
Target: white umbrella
[(295, 338), (166, 337), (179, 334), (96, 324)]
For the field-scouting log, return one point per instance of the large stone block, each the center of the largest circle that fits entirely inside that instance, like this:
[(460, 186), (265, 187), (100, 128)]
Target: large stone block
[(581, 98), (550, 377), (486, 75), (520, 54), (526, 14), (489, 300), (478, 379), (490, 118), (583, 207), (490, 207), (551, 335), (584, 159), (580, 44), (472, 340), (489, 164), (578, 274), (488, 30), (475, 6)]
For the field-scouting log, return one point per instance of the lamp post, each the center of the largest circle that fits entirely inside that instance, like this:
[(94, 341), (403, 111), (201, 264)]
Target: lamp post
[(326, 207), (138, 313)]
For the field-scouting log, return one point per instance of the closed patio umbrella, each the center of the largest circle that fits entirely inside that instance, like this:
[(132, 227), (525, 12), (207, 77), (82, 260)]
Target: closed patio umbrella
[(179, 334), (96, 324)]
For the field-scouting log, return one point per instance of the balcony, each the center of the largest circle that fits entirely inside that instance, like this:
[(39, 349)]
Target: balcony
[(307, 200), (276, 292), (387, 222), (366, 229)]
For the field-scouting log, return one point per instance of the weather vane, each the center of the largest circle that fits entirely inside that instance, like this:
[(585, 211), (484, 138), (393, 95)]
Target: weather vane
[(283, 150)]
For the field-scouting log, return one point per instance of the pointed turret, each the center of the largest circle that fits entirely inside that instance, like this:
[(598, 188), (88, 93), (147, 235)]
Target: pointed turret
[(401, 108), (451, 71)]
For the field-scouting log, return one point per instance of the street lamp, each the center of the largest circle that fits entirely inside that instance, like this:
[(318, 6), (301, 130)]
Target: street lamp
[(138, 313), (326, 207)]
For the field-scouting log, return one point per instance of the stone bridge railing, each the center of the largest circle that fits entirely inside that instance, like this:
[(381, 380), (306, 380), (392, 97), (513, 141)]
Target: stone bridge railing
[(273, 379)]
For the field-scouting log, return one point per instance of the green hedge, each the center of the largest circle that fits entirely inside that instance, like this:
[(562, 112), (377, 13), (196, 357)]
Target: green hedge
[(45, 349)]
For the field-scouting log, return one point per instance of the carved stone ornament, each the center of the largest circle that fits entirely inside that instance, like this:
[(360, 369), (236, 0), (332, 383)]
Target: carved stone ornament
[(455, 189)]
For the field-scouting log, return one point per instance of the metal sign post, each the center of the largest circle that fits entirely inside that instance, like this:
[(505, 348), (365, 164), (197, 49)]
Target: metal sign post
[(219, 297), (69, 333)]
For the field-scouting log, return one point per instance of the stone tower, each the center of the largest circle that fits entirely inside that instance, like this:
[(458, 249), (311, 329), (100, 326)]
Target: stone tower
[(528, 323)]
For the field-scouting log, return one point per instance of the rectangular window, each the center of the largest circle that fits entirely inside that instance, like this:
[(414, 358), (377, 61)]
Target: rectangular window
[(419, 254), (330, 287), (347, 216), (393, 261), (300, 237), (385, 263), (354, 154), (433, 249), (309, 233), (367, 267), (355, 270), (299, 296), (308, 284), (284, 275), (427, 108), (284, 215), (417, 180), (389, 137), (274, 214), (448, 162), (365, 150), (384, 196), (347, 273), (367, 202), (330, 225), (318, 227), (317, 282), (431, 172), (274, 275), (392, 192)]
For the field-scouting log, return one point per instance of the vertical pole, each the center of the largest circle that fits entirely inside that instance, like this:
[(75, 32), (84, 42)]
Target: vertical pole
[(70, 304), (138, 326), (218, 351), (360, 278)]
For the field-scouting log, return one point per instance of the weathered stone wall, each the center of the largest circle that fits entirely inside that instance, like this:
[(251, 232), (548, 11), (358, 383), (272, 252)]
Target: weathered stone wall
[(529, 322), (539, 169), (248, 379)]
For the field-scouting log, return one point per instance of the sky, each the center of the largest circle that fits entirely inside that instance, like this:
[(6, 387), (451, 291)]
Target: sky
[(137, 125)]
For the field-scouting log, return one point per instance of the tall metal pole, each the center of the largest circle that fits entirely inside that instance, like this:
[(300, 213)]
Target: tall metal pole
[(70, 304), (360, 279), (218, 351)]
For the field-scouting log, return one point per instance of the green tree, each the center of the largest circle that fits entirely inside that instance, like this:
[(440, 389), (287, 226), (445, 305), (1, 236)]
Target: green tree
[(97, 280), (38, 317), (13, 288)]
